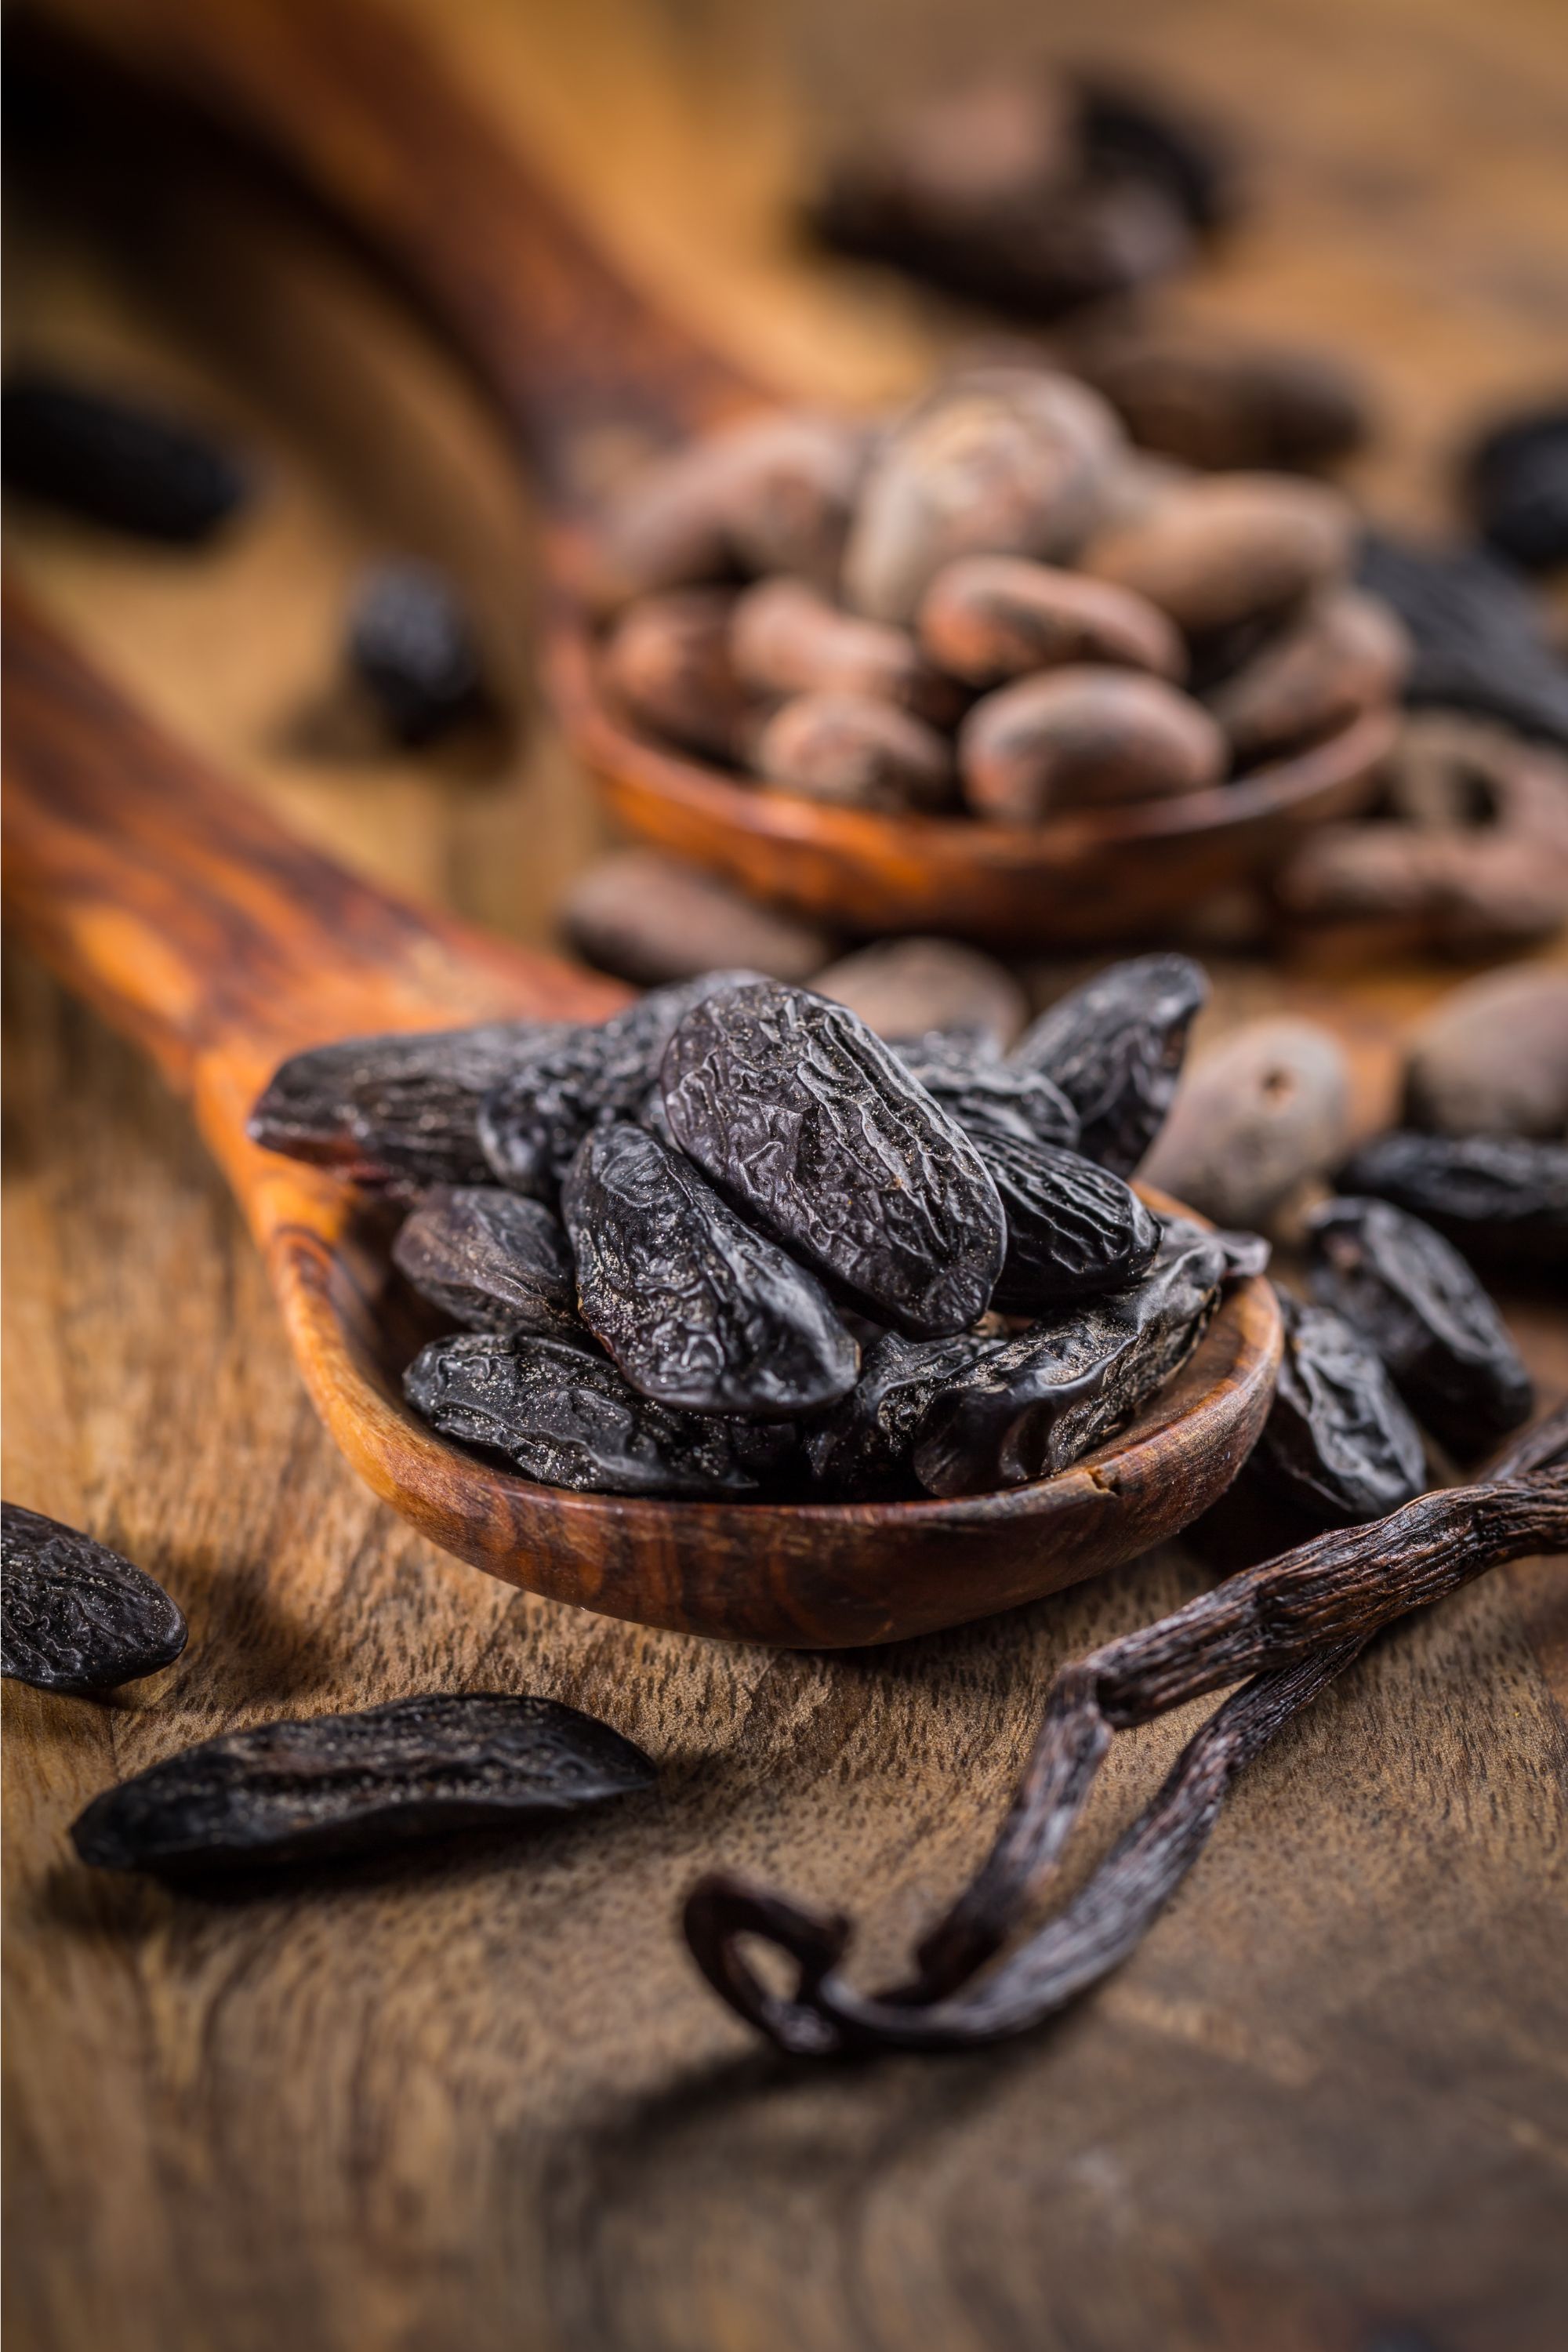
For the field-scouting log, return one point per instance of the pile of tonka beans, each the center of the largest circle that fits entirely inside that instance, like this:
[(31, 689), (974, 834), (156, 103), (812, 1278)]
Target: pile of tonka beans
[(993, 605)]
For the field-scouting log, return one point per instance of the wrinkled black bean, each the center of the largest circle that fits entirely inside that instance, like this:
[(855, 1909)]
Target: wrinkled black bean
[(1115, 1049), (568, 1417), (1480, 638), (985, 1095), (1403, 1287), (860, 1452), (361, 1783), (1074, 1230), (1032, 1405), (1500, 1199), (401, 1112), (813, 1129), (493, 1260), (75, 1616), (115, 461), (1338, 1444), (583, 1077), (412, 646), (699, 1310)]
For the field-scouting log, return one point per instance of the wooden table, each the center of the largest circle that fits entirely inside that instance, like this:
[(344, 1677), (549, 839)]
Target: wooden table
[(482, 2101)]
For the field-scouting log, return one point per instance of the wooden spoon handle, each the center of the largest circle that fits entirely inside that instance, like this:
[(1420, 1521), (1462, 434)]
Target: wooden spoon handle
[(356, 107), (195, 923)]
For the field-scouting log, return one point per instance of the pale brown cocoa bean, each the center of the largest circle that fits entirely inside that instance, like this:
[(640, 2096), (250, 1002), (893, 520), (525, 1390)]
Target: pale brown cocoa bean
[(666, 666), (1214, 402), (786, 639), (1084, 738), (902, 988), (989, 618), (1461, 892), (1492, 1057), (855, 751), (1345, 653), (996, 461), (1265, 1111), (770, 494), (1221, 548), (651, 919)]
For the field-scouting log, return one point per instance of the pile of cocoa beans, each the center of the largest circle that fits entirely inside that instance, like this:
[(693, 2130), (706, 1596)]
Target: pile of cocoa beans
[(994, 606)]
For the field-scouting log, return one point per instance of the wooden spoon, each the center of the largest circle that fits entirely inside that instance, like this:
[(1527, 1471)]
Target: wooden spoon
[(350, 99), (220, 944)]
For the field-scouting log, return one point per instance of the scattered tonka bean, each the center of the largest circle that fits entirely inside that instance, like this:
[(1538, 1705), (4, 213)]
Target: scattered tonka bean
[(533, 1119), (1085, 737), (366, 1783), (997, 461), (1516, 477), (986, 1096), (768, 494), (908, 987), (491, 1259), (813, 1129), (1225, 548), (665, 664), (567, 1417), (1291, 1624), (1216, 402), (698, 1309), (128, 465), (1035, 1403), (75, 1616), (1480, 639), (398, 1112), (412, 646), (1253, 1121), (1400, 1285), (786, 638), (1492, 1057), (1500, 1199), (856, 752), (990, 618), (1347, 653), (651, 919), (1115, 1048)]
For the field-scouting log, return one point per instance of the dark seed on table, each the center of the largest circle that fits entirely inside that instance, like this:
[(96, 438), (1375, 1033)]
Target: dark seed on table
[(985, 1095), (698, 1309), (75, 1616), (1410, 1295), (1073, 1229), (1033, 1405), (412, 645), (567, 1417), (1500, 1199), (581, 1078), (815, 1131), (492, 1259), (120, 462), (1115, 1048), (360, 1784), (860, 1451), (1338, 1446), (398, 1111)]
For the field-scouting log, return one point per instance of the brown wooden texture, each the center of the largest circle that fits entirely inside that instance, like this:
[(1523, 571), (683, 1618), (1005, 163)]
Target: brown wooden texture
[(483, 2099)]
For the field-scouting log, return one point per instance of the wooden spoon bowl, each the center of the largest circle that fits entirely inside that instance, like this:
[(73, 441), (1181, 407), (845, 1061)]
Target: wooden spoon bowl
[(343, 94), (221, 944)]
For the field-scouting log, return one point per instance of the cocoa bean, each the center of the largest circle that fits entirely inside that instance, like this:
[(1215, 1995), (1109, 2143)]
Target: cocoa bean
[(904, 987), (650, 919), (785, 639), (1345, 654), (1253, 1120), (998, 461), (1081, 736), (854, 751), (1492, 1058), (989, 618), (1214, 402), (1220, 549), (770, 494), (666, 666)]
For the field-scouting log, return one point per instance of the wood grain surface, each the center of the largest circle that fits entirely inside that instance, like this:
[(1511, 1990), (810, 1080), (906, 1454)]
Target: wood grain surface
[(480, 2099)]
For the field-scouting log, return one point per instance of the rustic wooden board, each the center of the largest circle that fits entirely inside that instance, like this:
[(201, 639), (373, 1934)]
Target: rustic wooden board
[(481, 2099)]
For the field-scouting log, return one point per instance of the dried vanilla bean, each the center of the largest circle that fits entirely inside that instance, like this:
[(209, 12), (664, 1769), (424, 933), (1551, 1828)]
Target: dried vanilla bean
[(1291, 1625)]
